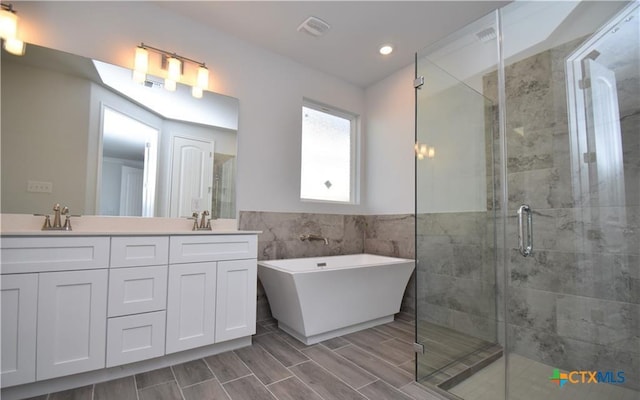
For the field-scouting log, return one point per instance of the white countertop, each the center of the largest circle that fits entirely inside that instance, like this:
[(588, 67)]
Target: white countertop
[(90, 225)]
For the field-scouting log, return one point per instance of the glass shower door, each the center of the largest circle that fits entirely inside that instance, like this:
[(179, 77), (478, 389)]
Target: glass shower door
[(572, 127), (455, 225)]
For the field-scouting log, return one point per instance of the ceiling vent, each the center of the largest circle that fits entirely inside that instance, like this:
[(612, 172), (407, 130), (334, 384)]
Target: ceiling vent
[(486, 35), (314, 26)]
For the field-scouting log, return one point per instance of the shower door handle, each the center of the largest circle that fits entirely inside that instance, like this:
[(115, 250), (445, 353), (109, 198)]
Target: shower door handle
[(527, 249)]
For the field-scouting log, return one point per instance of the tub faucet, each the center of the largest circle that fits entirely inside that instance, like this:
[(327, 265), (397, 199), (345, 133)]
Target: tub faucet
[(311, 237)]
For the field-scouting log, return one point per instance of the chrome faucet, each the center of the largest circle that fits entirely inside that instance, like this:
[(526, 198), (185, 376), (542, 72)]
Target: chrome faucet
[(58, 212), (310, 237), (204, 224)]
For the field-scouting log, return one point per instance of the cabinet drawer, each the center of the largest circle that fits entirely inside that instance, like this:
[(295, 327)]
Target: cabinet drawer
[(137, 290), (135, 338), (138, 251), (20, 255), (188, 249)]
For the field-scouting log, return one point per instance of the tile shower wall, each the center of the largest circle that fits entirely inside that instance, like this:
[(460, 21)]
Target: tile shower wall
[(387, 235), (575, 303), (457, 270)]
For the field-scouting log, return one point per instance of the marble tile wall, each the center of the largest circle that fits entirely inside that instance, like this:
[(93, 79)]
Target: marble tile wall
[(456, 277), (575, 303), (388, 235)]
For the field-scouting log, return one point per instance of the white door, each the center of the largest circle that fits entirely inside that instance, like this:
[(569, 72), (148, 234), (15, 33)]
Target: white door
[(604, 138), (191, 302), (72, 319), (236, 299), (191, 176), (19, 308), (131, 191)]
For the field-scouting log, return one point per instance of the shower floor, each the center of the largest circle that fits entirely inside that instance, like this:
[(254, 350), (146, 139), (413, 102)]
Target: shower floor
[(452, 356), (529, 380)]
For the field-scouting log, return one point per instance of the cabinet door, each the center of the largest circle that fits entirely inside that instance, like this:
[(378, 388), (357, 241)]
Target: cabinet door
[(191, 302), (72, 317), (19, 307), (236, 299)]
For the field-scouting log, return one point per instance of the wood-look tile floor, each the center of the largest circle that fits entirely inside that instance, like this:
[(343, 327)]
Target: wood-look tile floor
[(374, 364)]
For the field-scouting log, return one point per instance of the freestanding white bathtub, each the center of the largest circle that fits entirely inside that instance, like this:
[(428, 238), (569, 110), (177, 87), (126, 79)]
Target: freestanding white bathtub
[(315, 299)]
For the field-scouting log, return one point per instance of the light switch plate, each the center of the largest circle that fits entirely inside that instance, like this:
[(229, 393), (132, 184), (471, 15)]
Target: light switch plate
[(39, 187)]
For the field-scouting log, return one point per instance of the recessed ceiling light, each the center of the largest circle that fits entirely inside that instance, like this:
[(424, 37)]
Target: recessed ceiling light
[(386, 49)]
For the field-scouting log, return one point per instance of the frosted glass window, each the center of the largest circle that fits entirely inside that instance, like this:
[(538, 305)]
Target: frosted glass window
[(328, 152)]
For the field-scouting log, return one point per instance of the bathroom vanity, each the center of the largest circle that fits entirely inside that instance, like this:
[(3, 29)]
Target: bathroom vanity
[(86, 307)]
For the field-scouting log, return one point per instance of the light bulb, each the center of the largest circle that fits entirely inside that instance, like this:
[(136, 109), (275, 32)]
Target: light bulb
[(14, 46), (8, 25), (141, 62), (196, 92), (386, 50), (173, 72), (202, 80)]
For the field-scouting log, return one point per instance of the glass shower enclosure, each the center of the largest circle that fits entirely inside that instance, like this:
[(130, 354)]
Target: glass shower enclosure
[(528, 204)]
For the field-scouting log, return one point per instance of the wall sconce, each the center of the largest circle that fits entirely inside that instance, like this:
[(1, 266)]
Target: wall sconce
[(174, 64), (9, 30), (422, 151)]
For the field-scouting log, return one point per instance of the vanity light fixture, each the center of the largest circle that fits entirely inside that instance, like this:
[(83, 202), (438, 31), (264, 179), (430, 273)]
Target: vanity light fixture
[(174, 65), (9, 30)]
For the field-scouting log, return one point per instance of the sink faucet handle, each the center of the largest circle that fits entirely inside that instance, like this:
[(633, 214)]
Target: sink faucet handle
[(47, 223), (67, 223), (194, 217)]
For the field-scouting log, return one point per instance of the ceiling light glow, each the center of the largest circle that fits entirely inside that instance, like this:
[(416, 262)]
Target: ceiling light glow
[(386, 50)]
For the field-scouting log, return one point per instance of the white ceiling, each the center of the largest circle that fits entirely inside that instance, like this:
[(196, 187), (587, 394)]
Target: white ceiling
[(358, 28)]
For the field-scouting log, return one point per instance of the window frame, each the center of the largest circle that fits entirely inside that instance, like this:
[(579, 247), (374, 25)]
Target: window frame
[(354, 156)]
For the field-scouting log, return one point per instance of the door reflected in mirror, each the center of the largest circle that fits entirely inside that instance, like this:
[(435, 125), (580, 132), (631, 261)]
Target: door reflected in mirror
[(129, 164)]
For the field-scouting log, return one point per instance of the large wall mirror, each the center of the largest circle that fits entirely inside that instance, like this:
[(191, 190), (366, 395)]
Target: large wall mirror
[(81, 133)]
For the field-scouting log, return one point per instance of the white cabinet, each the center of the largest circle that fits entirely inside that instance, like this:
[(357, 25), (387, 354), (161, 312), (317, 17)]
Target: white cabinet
[(19, 311), (72, 318), (135, 338), (77, 304), (212, 289), (137, 298), (191, 306), (236, 299)]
